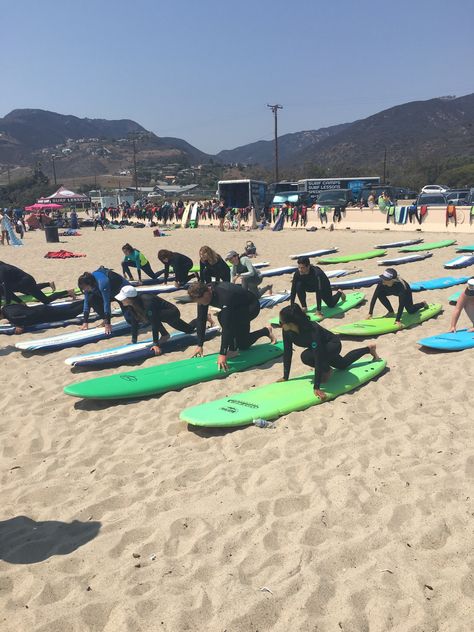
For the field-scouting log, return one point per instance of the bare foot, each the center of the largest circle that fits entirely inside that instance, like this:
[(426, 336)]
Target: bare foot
[(19, 330), (210, 320), (343, 297), (373, 351), (271, 335), (71, 293)]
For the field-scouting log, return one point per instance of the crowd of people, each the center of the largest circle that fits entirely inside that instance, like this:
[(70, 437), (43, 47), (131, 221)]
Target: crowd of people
[(215, 283)]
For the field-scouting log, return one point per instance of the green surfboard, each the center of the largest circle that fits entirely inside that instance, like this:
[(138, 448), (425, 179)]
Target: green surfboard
[(279, 398), (432, 246), (171, 376), (384, 325), (27, 298), (355, 257), (352, 300)]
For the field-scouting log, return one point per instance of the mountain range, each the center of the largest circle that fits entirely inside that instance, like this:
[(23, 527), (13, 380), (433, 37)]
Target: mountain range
[(418, 131)]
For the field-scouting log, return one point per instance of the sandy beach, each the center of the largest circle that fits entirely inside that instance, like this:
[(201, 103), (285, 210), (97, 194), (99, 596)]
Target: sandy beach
[(353, 516)]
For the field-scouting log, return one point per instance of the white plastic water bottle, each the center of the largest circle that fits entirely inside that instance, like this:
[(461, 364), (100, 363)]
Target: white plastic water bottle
[(263, 423)]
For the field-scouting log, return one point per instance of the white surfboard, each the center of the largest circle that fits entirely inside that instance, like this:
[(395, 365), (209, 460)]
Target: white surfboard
[(315, 253)]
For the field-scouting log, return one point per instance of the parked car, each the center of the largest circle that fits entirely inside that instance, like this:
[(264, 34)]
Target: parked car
[(404, 193), (293, 197), (435, 188), (458, 196), (394, 193), (336, 197), (470, 198), (431, 199)]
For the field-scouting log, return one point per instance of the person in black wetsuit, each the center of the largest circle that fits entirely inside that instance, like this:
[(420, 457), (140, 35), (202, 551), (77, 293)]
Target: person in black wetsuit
[(212, 266), (100, 288), (322, 347), (13, 279), (391, 284), (22, 316), (238, 308), (148, 308), (309, 278), (181, 265)]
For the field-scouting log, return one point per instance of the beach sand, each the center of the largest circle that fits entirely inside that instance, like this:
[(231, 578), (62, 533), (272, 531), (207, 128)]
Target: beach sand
[(354, 516)]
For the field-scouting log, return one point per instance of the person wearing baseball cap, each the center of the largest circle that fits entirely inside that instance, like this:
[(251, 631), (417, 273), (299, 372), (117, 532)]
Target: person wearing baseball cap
[(242, 268), (391, 284), (465, 302), (143, 309)]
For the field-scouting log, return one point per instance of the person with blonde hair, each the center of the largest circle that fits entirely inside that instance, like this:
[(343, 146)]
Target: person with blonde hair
[(212, 266)]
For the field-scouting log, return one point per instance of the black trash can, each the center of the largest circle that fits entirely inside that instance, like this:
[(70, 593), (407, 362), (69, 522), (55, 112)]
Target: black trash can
[(51, 234)]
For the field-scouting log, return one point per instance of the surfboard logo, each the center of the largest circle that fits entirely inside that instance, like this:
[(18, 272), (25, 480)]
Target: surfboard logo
[(129, 378)]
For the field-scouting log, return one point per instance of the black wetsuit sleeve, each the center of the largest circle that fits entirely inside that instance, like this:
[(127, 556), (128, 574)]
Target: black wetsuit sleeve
[(402, 300), (167, 271), (294, 281), (202, 311), (202, 272), (318, 349), (222, 270), (373, 300), (318, 290), (154, 317), (287, 354)]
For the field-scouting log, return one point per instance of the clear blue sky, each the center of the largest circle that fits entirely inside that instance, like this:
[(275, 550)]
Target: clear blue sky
[(205, 70)]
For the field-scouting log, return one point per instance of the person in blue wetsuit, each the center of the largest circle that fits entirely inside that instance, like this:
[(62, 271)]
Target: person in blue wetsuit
[(100, 288), (322, 347), (135, 259)]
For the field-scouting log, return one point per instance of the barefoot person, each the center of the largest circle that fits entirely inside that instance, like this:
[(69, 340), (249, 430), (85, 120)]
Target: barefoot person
[(212, 266), (135, 259), (13, 279), (391, 284), (100, 288), (243, 269), (465, 302), (322, 347), (181, 265), (238, 308), (153, 310), (22, 316), (309, 278)]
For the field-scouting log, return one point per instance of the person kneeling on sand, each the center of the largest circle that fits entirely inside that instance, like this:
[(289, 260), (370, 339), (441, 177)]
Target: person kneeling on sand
[(322, 347), (238, 307), (391, 284), (465, 302)]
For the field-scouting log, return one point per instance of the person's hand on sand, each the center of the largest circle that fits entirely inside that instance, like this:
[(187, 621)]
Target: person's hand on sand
[(222, 362), (320, 315), (319, 393), (19, 330), (156, 349), (197, 352), (369, 317), (282, 379), (452, 330), (398, 324), (85, 326), (108, 329)]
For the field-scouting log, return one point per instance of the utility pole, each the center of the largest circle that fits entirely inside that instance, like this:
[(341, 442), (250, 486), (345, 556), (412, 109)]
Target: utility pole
[(8, 174), (274, 108), (135, 163), (54, 170), (385, 165)]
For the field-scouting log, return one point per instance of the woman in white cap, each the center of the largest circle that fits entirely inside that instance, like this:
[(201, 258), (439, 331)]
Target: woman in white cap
[(465, 302), (153, 310), (391, 284)]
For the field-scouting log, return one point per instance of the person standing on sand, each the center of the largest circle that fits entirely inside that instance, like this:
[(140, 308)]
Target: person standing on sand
[(465, 302), (322, 347)]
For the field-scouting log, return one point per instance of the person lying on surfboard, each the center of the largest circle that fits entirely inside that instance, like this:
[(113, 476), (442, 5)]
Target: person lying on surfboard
[(153, 310), (322, 347), (13, 279), (22, 316), (238, 307), (391, 284), (465, 302), (310, 278)]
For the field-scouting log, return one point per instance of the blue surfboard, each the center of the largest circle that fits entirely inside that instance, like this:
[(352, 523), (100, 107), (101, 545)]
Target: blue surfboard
[(437, 284), (457, 341)]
